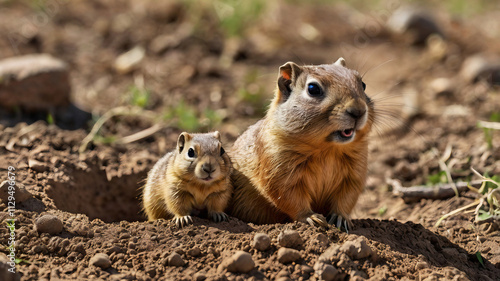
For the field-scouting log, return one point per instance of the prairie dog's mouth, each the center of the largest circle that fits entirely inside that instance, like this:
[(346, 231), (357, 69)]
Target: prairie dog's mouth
[(342, 136), (208, 178)]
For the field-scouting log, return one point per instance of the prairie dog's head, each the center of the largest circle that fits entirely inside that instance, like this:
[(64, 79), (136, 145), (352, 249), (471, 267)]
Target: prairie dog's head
[(321, 104), (201, 158)]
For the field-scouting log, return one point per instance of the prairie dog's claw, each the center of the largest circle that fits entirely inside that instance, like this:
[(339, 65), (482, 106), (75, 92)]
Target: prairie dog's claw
[(316, 220), (339, 222), (218, 216), (183, 221)]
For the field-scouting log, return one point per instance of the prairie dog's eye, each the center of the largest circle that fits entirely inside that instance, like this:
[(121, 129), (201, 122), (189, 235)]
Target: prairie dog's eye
[(191, 153), (222, 151), (364, 85), (314, 90)]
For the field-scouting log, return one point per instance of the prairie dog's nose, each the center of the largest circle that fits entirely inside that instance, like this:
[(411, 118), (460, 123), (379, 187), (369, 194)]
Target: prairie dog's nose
[(356, 113), (207, 167)]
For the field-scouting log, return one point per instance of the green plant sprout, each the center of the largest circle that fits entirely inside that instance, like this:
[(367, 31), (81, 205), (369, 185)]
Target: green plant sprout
[(138, 96)]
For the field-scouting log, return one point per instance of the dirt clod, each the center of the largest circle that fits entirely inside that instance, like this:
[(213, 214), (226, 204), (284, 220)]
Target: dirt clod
[(325, 271), (241, 262), (288, 255), (290, 239), (100, 260), (261, 241), (357, 249), (49, 224)]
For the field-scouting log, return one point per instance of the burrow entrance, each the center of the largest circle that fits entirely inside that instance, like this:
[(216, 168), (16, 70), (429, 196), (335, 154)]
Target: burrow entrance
[(90, 192)]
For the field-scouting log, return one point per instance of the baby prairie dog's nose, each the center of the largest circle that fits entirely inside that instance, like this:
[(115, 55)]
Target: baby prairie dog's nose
[(208, 168)]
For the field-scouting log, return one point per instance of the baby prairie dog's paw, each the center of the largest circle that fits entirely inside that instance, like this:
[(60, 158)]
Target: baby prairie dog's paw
[(182, 221), (339, 221), (218, 216), (315, 219)]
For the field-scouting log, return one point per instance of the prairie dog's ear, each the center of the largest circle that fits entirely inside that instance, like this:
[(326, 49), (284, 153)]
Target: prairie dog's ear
[(288, 76), (340, 62), (217, 135), (181, 141)]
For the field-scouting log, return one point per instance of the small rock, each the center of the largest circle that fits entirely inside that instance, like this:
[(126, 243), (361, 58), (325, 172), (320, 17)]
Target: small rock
[(481, 67), (175, 260), (100, 260), (241, 262), (34, 82), (21, 194), (287, 255), (421, 265), (194, 252), (307, 269), (325, 271), (442, 87), (48, 224), (37, 166), (200, 276), (414, 23), (261, 241), (290, 239), (357, 249), (127, 62)]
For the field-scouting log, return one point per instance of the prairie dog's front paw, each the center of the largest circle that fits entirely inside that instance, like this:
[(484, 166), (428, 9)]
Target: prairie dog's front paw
[(315, 219), (218, 216), (182, 221)]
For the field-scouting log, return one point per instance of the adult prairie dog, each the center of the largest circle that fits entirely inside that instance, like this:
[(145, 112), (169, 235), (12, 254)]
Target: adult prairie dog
[(195, 176), (306, 160)]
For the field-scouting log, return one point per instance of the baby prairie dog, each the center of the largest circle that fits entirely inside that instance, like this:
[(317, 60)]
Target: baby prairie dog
[(306, 160), (195, 176)]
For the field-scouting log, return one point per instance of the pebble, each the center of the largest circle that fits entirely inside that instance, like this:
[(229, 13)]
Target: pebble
[(357, 249), (287, 255), (175, 260), (240, 262), (21, 194), (194, 252), (48, 224), (325, 271), (442, 87), (128, 61), (290, 239), (100, 260), (34, 82), (417, 24), (261, 241), (37, 166), (481, 67)]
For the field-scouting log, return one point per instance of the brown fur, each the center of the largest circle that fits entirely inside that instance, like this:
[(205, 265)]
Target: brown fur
[(291, 165), (174, 187)]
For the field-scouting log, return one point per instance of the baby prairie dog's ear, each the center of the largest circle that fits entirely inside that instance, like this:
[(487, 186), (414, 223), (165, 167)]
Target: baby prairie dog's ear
[(217, 135), (288, 76), (340, 62), (181, 141)]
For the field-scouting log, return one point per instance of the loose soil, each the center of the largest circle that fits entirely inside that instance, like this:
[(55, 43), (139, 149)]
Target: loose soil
[(96, 194)]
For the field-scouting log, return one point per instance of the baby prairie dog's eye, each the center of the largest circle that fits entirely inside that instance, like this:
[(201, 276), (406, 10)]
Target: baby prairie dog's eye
[(222, 151), (191, 153), (314, 90), (364, 85)]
